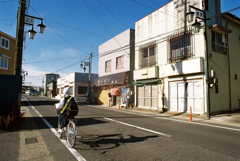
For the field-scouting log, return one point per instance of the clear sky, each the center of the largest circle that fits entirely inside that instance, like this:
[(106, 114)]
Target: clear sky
[(72, 27)]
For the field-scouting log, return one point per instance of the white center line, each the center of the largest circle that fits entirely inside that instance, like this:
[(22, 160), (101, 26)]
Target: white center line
[(72, 150), (141, 128)]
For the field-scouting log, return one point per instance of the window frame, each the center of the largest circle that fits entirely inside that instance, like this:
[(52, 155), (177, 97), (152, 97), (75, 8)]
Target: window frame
[(146, 54), (5, 63), (121, 65), (4, 40), (180, 48), (216, 47), (82, 88), (108, 66)]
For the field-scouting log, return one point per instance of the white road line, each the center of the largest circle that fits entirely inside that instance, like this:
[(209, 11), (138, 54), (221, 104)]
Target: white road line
[(72, 150), (197, 123), (155, 132)]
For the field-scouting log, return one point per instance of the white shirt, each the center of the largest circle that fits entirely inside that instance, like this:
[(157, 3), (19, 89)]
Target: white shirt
[(60, 105)]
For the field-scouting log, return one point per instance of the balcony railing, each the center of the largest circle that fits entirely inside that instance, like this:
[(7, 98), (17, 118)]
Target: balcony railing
[(181, 54), (148, 62), (220, 48)]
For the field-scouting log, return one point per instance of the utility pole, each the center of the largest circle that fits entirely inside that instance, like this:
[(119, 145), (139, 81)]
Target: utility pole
[(19, 37), (89, 74)]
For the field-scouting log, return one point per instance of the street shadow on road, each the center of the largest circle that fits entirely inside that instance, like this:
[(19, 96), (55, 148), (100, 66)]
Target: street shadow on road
[(106, 142), (39, 103), (31, 123)]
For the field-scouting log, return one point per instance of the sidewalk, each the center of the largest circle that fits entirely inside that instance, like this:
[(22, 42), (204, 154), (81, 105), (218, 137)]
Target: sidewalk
[(32, 146)]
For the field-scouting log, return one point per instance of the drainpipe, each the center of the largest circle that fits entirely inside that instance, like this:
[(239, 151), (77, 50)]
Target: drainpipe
[(229, 71)]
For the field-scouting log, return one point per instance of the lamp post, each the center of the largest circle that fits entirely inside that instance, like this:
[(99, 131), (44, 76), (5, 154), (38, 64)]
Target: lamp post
[(24, 73), (89, 64), (201, 14), (20, 32)]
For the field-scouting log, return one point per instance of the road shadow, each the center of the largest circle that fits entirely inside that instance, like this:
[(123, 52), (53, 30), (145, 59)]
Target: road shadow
[(106, 142), (31, 123)]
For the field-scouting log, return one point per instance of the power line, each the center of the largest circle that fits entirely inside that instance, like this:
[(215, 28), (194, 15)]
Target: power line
[(75, 22)]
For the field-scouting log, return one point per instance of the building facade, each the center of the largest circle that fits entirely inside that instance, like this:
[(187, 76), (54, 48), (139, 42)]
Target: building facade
[(7, 53), (116, 64), (49, 78), (78, 82), (176, 67)]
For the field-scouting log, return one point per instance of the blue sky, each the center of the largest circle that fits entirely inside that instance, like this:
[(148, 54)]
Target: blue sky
[(72, 28)]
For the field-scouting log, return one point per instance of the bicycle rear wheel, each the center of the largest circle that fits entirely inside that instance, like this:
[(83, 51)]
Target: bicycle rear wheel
[(71, 136)]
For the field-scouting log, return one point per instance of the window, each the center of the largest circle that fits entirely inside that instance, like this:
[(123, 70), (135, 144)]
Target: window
[(108, 66), (148, 57), (120, 62), (3, 63), (4, 43), (82, 90), (180, 48), (219, 43)]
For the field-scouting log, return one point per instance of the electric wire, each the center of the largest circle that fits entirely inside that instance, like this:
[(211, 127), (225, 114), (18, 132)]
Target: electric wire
[(75, 22)]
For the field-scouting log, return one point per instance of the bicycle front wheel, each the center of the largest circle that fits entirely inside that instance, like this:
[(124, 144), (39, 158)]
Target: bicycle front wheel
[(71, 136)]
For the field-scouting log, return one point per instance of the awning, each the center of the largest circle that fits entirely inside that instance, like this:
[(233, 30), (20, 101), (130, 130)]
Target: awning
[(221, 29), (5, 56), (120, 78), (142, 82)]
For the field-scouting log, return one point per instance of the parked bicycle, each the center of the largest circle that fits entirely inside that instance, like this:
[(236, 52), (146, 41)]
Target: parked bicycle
[(70, 131)]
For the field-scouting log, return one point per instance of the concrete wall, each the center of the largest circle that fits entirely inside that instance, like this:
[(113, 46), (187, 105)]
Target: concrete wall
[(11, 86)]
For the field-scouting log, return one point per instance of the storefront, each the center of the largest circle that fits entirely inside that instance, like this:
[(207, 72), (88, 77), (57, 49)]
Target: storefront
[(147, 93), (116, 86), (183, 94)]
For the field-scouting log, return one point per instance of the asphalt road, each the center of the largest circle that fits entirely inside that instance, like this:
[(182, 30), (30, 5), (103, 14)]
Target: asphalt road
[(108, 134)]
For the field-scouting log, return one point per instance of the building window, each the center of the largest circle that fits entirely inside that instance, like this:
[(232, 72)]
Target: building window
[(62, 90), (3, 63), (108, 65), (180, 47), (148, 57), (4, 43), (120, 62), (219, 43), (82, 90)]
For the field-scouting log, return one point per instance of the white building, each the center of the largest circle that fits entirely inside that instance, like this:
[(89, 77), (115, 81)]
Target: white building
[(116, 64), (173, 64), (49, 78), (78, 82)]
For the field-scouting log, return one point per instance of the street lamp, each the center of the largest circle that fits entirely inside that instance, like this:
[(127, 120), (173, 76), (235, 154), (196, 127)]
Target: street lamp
[(23, 19), (89, 64), (31, 33), (41, 27)]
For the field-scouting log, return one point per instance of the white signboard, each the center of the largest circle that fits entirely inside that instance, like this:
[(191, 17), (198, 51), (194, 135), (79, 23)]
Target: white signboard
[(29, 20)]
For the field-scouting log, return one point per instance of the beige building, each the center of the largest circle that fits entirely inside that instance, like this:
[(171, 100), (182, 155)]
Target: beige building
[(178, 67), (7, 53)]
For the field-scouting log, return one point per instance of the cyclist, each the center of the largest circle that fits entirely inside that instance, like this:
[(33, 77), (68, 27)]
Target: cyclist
[(59, 106)]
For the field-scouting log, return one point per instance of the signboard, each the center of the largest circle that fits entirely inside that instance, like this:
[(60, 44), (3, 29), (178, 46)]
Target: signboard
[(29, 20), (86, 63)]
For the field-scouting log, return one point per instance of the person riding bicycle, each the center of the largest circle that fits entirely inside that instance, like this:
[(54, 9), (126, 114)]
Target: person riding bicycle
[(59, 106)]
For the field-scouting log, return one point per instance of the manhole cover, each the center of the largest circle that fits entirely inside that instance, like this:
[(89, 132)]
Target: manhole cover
[(31, 140)]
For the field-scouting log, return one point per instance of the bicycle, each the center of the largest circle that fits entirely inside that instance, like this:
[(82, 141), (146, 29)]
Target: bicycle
[(71, 131)]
